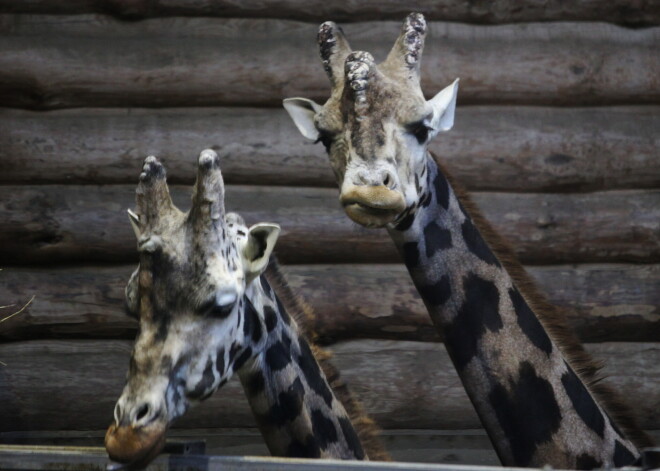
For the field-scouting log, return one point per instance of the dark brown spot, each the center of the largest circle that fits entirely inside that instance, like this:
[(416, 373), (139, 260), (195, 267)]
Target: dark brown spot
[(436, 238), (528, 414), (583, 402), (529, 323), (437, 293), (323, 429), (479, 312)]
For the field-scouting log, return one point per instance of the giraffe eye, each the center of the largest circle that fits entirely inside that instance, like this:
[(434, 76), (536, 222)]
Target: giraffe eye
[(220, 310), (420, 130), (324, 138)]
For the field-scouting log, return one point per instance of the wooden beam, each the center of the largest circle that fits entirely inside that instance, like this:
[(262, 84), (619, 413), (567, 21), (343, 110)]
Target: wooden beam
[(422, 446), (20, 458), (499, 11), (75, 61), (495, 148), (67, 223), (425, 446), (401, 384), (603, 302)]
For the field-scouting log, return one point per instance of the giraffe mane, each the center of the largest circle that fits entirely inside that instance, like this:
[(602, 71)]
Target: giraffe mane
[(304, 315), (554, 320)]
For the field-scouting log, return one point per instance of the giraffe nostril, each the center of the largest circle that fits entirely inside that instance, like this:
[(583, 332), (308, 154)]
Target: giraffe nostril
[(117, 414), (142, 412)]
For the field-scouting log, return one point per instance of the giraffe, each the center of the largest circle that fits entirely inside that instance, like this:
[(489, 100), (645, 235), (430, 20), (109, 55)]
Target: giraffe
[(533, 386), (206, 310)]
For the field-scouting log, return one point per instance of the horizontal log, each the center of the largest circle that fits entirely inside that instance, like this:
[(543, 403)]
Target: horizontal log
[(425, 446), (499, 11), (417, 374), (59, 61), (494, 148), (59, 223), (72, 385), (25, 458), (419, 446), (603, 302)]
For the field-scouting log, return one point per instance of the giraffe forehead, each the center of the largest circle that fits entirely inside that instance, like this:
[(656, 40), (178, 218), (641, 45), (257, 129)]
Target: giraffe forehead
[(213, 247), (375, 135), (369, 136)]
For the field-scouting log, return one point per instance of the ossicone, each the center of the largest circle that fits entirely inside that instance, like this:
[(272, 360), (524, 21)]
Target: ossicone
[(333, 48), (153, 201), (405, 56)]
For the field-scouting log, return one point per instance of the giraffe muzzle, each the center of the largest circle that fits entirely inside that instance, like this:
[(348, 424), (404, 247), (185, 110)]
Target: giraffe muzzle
[(134, 446), (372, 206)]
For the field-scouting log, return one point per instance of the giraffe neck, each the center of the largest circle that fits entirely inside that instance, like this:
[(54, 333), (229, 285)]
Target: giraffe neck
[(533, 405), (294, 406)]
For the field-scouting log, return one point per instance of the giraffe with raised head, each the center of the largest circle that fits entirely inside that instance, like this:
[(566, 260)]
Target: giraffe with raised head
[(532, 384), (205, 311)]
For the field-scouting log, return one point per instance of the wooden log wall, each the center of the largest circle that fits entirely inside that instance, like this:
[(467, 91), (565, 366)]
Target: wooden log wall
[(74, 384), (218, 62), (557, 136)]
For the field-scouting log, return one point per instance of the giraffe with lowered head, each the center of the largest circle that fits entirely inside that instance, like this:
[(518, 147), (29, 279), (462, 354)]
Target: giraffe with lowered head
[(534, 387), (206, 310)]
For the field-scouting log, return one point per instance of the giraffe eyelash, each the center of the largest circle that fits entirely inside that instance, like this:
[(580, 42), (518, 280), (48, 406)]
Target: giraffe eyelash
[(212, 309), (420, 130)]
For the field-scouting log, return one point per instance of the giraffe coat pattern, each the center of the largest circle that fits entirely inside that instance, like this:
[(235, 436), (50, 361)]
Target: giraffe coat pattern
[(533, 386), (206, 311)]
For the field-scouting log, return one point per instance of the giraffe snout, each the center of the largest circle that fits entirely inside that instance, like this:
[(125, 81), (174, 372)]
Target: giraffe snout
[(385, 177), (138, 434)]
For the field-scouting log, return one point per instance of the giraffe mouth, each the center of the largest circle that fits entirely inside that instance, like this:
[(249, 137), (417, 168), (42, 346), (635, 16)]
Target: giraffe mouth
[(135, 447), (368, 216), (372, 206)]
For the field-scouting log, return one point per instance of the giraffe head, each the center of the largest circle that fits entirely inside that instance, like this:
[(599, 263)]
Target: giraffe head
[(376, 125), (187, 294)]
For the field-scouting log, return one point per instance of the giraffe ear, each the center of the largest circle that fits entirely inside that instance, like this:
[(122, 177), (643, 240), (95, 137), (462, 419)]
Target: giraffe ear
[(131, 294), (444, 107), (256, 251), (135, 223), (302, 112)]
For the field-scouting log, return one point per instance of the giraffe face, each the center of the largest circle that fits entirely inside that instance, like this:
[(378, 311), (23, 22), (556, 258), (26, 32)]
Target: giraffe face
[(376, 126), (188, 295)]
